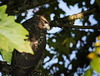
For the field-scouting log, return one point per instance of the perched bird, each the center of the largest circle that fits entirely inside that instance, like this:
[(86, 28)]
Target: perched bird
[(23, 63)]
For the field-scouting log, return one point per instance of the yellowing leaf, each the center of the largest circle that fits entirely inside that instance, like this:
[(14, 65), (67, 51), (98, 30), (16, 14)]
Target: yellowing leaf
[(98, 50), (97, 44), (91, 55), (98, 38)]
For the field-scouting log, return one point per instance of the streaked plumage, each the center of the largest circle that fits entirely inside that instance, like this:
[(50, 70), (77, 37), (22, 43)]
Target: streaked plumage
[(23, 63)]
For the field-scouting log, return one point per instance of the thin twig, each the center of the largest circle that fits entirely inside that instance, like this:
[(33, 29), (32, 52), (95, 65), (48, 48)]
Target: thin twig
[(68, 21), (81, 27)]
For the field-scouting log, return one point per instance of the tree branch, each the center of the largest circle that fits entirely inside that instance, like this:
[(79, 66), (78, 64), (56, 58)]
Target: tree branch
[(81, 15), (18, 6), (81, 27), (68, 21)]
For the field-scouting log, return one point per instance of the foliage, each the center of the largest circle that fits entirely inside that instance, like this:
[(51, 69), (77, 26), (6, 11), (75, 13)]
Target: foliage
[(69, 41), (12, 36), (94, 56), (87, 72)]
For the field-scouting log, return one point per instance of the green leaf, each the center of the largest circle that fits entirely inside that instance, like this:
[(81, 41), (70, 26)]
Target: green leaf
[(6, 55), (5, 43), (95, 64), (7, 48), (12, 34), (88, 73), (3, 9)]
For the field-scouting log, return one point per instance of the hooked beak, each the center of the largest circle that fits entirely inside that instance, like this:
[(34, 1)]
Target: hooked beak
[(47, 26)]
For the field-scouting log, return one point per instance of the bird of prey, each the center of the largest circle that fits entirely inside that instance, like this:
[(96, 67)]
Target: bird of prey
[(23, 63)]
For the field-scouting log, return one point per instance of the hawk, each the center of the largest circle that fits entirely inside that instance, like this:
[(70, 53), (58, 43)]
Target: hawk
[(23, 63)]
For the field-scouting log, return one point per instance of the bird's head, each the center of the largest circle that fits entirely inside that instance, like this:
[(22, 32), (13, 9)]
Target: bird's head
[(43, 23)]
